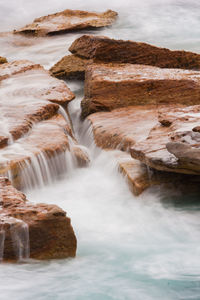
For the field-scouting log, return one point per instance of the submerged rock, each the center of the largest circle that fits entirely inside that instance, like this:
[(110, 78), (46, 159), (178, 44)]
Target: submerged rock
[(104, 49), (173, 145), (110, 86), (38, 231), (67, 21)]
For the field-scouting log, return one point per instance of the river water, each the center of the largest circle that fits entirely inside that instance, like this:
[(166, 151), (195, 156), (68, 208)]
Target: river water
[(129, 247)]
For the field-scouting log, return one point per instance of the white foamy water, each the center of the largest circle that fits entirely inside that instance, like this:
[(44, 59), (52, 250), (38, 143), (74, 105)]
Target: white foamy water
[(129, 248)]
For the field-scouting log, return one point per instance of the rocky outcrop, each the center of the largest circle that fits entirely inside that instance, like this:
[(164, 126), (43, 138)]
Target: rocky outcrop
[(120, 85), (70, 67), (36, 139), (3, 60), (104, 49), (38, 231), (68, 21), (173, 144)]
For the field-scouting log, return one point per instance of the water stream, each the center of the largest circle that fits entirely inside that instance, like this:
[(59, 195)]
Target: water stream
[(129, 248)]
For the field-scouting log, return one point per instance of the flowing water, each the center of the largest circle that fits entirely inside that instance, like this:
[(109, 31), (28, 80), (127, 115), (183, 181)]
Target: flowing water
[(129, 247)]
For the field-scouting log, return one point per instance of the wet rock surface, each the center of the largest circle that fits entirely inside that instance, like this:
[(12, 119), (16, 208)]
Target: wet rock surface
[(68, 21), (34, 128), (104, 49), (173, 144), (112, 86), (38, 231)]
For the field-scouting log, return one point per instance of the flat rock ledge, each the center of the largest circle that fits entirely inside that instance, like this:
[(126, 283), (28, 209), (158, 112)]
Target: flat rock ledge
[(38, 231), (68, 21), (173, 145), (111, 86)]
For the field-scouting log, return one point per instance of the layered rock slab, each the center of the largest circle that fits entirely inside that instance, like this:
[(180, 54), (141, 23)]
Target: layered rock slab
[(68, 21), (104, 49), (28, 94), (110, 86), (173, 144), (38, 231)]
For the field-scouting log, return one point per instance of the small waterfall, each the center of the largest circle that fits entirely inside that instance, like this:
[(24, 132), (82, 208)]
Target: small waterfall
[(18, 232), (20, 238)]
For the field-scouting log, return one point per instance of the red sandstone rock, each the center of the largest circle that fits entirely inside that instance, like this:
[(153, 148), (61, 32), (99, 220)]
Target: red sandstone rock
[(67, 21), (112, 86), (70, 67), (173, 145), (104, 49), (42, 230), (25, 89)]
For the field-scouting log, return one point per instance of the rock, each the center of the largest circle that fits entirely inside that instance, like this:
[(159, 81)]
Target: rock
[(123, 127), (3, 60), (37, 231), (112, 86), (68, 21), (175, 147), (35, 81), (104, 49), (70, 67), (36, 140), (46, 152), (24, 87)]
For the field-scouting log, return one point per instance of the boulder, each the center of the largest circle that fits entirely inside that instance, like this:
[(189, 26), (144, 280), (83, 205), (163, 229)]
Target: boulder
[(110, 86), (104, 49), (38, 231), (68, 21), (173, 144)]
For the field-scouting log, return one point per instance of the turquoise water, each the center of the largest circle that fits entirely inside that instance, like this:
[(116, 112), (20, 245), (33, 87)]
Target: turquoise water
[(130, 248)]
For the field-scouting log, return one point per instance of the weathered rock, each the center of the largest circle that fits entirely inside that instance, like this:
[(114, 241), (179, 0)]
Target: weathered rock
[(104, 49), (67, 21), (3, 60), (111, 86), (70, 67), (45, 153), (36, 135), (123, 127), (173, 145), (24, 87), (41, 231), (35, 81)]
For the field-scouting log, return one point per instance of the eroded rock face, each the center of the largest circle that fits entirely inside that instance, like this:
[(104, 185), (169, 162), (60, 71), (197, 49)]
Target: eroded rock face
[(111, 86), (3, 60), (104, 49), (67, 21), (37, 231), (173, 145)]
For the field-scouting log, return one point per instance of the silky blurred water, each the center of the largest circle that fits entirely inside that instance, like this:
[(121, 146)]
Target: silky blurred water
[(129, 248)]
